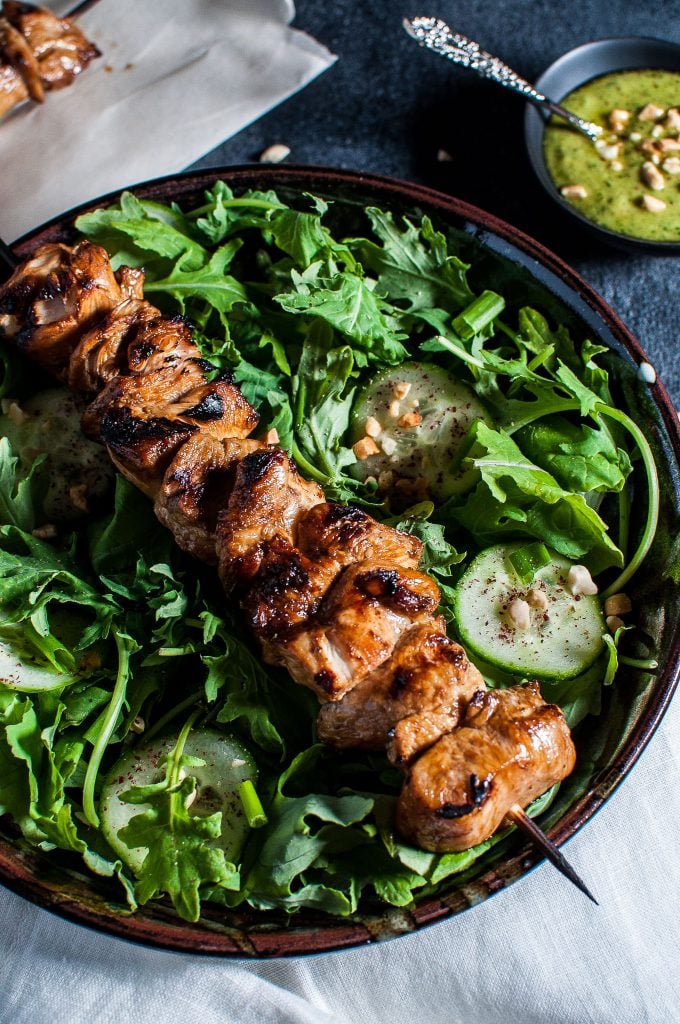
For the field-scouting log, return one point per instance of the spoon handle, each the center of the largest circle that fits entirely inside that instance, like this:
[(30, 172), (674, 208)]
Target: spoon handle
[(438, 37)]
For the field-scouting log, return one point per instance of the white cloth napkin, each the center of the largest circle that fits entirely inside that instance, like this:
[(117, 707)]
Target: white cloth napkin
[(537, 953), (175, 79)]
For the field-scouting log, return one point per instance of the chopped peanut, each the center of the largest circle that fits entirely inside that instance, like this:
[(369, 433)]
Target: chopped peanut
[(410, 419), (672, 122), (365, 447), (395, 409), (274, 154), (17, 414), (614, 623), (671, 165), (78, 496), (579, 581), (651, 112), (616, 165), (519, 613), (574, 191), (372, 428), (652, 176), (401, 388), (388, 445), (618, 604), (537, 599), (652, 204), (618, 119), (610, 152), (669, 145), (271, 437), (46, 532)]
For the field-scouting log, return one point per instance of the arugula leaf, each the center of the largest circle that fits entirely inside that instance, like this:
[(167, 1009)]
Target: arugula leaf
[(292, 843), (210, 282), (17, 495), (322, 405), (351, 306), (182, 855), (579, 456), (414, 266), (517, 497)]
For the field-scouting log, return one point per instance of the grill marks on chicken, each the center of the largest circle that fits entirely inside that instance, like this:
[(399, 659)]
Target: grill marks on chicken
[(38, 52), (452, 800), (332, 595)]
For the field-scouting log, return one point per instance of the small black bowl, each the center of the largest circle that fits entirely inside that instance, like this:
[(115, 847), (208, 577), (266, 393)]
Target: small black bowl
[(573, 69)]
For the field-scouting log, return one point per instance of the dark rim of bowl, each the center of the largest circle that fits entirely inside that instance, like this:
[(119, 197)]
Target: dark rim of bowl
[(242, 936), (535, 122)]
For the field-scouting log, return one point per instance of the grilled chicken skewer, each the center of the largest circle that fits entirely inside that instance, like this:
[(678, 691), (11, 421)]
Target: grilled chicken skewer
[(331, 594), (38, 52)]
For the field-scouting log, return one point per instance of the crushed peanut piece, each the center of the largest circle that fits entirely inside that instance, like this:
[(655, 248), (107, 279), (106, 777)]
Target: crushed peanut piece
[(618, 119), (610, 152), (574, 191), (616, 165), (635, 136), (401, 388), (579, 581), (657, 131), (395, 409), (274, 154), (537, 599), (520, 613), (652, 176), (410, 419), (618, 604), (17, 414), (78, 497), (672, 122), (388, 445), (671, 165), (272, 436), (372, 428), (651, 112), (614, 623), (646, 371), (669, 145), (650, 146), (46, 532), (652, 204), (365, 447)]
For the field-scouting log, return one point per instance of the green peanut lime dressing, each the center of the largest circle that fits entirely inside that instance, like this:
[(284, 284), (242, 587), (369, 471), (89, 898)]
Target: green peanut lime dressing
[(616, 186)]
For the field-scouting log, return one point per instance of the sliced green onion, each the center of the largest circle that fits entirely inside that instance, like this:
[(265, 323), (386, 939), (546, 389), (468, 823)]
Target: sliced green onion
[(252, 807), (479, 314), (526, 561)]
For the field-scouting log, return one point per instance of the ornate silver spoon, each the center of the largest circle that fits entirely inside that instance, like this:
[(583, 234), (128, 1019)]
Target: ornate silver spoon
[(438, 37)]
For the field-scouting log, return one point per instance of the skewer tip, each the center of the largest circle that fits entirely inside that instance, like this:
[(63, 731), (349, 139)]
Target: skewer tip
[(521, 819)]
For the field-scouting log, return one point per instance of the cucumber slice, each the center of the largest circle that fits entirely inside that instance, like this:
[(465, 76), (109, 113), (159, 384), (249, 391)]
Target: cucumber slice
[(430, 450), (20, 671), (560, 642), (227, 765)]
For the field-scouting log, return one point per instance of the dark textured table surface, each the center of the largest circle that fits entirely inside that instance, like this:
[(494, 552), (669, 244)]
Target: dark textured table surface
[(387, 107)]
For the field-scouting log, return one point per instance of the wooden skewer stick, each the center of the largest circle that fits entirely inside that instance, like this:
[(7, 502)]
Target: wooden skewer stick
[(523, 822)]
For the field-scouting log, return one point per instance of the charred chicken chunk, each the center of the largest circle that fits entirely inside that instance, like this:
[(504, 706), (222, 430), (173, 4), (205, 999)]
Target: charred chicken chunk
[(53, 298), (418, 694), (356, 628), (43, 52), (510, 747)]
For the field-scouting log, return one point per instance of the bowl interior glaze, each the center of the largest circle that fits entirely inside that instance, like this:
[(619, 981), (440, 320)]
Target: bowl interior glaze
[(573, 69), (608, 745)]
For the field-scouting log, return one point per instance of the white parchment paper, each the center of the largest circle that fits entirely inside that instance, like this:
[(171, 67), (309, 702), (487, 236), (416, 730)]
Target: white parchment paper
[(175, 79)]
